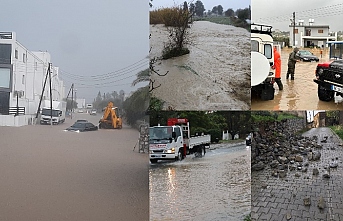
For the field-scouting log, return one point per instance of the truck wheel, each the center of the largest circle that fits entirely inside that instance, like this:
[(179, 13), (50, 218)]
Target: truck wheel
[(153, 160), (324, 95), (268, 93), (179, 156)]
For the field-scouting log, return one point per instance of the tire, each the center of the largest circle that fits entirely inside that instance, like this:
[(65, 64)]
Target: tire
[(325, 95), (153, 160), (267, 93), (179, 156)]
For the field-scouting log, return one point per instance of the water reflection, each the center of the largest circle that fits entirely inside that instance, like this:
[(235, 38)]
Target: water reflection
[(216, 187)]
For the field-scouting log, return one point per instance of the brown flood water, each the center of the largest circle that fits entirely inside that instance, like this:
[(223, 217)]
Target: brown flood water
[(215, 75), (300, 94)]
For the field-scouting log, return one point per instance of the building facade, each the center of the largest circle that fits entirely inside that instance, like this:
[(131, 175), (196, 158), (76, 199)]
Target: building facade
[(22, 75), (307, 35)]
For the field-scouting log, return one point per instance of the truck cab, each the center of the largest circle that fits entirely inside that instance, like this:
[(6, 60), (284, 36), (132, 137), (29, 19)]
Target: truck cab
[(57, 114), (165, 143), (262, 72)]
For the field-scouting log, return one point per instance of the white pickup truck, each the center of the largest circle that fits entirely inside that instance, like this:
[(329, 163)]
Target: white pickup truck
[(173, 142)]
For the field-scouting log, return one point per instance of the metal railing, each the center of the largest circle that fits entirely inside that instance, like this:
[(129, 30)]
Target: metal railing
[(12, 111)]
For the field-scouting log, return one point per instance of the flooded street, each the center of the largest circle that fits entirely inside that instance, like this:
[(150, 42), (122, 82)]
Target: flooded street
[(300, 94), (50, 174), (214, 76), (215, 187)]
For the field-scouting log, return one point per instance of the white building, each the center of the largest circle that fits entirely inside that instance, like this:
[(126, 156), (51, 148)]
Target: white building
[(22, 75), (81, 103), (310, 34)]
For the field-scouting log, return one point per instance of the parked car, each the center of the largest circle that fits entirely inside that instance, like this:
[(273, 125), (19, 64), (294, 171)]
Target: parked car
[(248, 141), (93, 112), (308, 56), (82, 120), (82, 127)]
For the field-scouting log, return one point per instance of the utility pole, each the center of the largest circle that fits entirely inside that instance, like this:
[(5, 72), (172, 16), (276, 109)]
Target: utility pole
[(41, 97), (72, 101), (50, 94), (293, 29)]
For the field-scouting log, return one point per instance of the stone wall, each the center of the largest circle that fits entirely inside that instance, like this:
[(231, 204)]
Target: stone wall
[(272, 140)]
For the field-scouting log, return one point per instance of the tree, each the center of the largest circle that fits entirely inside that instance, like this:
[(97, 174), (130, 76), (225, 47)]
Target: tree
[(243, 14), (220, 9), (199, 8), (215, 10), (136, 105), (230, 12), (142, 76), (178, 34)]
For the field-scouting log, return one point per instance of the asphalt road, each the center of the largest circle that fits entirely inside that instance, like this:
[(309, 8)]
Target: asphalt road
[(49, 174)]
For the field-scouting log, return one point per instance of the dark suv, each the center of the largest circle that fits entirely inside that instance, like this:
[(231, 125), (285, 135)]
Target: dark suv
[(329, 77)]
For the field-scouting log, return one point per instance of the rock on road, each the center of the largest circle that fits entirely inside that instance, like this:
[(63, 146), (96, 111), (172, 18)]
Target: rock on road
[(50, 174)]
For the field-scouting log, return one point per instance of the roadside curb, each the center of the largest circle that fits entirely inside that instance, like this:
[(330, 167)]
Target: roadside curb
[(340, 140), (221, 146)]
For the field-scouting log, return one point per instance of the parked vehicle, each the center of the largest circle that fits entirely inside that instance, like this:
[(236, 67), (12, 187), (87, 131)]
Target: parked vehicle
[(111, 118), (82, 120), (92, 112), (82, 127), (307, 56), (329, 77), (174, 142), (262, 61), (57, 114)]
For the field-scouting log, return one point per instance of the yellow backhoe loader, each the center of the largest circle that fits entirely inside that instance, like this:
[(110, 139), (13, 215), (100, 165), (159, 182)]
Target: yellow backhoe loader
[(111, 119)]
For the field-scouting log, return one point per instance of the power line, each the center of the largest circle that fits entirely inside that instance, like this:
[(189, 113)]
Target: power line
[(330, 10)]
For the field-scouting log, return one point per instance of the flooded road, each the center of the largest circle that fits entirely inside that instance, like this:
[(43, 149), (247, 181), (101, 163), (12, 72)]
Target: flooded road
[(214, 76), (50, 174), (300, 94), (215, 187)]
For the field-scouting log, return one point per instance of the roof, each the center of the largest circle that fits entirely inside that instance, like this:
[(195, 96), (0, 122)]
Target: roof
[(311, 26)]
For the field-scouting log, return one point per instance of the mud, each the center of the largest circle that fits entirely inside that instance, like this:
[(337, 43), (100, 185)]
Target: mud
[(215, 187), (300, 94), (49, 174), (214, 76)]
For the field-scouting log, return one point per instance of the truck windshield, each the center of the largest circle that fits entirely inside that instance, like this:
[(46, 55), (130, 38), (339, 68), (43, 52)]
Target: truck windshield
[(160, 133), (47, 112)]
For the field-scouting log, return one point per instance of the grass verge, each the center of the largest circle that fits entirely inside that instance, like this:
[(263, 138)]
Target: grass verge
[(338, 130)]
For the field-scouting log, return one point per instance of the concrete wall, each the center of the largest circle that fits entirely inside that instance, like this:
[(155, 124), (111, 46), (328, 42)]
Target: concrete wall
[(18, 121)]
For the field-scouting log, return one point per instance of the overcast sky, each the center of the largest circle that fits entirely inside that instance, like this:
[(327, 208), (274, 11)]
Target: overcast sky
[(209, 4), (278, 13), (84, 37)]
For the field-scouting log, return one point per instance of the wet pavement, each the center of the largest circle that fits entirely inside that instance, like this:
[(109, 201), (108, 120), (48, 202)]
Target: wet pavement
[(300, 94), (215, 187), (284, 198), (50, 174)]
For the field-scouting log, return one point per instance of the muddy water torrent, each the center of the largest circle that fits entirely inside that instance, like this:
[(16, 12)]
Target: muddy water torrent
[(216, 187), (300, 94), (216, 73)]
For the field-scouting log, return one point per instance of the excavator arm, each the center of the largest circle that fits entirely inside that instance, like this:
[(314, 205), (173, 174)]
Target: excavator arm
[(110, 118)]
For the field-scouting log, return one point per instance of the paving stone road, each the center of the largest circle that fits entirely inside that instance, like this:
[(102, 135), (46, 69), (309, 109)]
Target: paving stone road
[(299, 195)]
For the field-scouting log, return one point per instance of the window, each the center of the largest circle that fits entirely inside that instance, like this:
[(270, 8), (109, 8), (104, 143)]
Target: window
[(23, 80), (177, 132), (296, 31), (5, 77), (268, 51), (24, 57), (321, 31), (5, 53), (254, 45), (16, 54)]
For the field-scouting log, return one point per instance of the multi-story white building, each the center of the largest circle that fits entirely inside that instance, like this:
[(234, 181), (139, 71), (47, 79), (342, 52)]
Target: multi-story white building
[(310, 34), (22, 75)]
